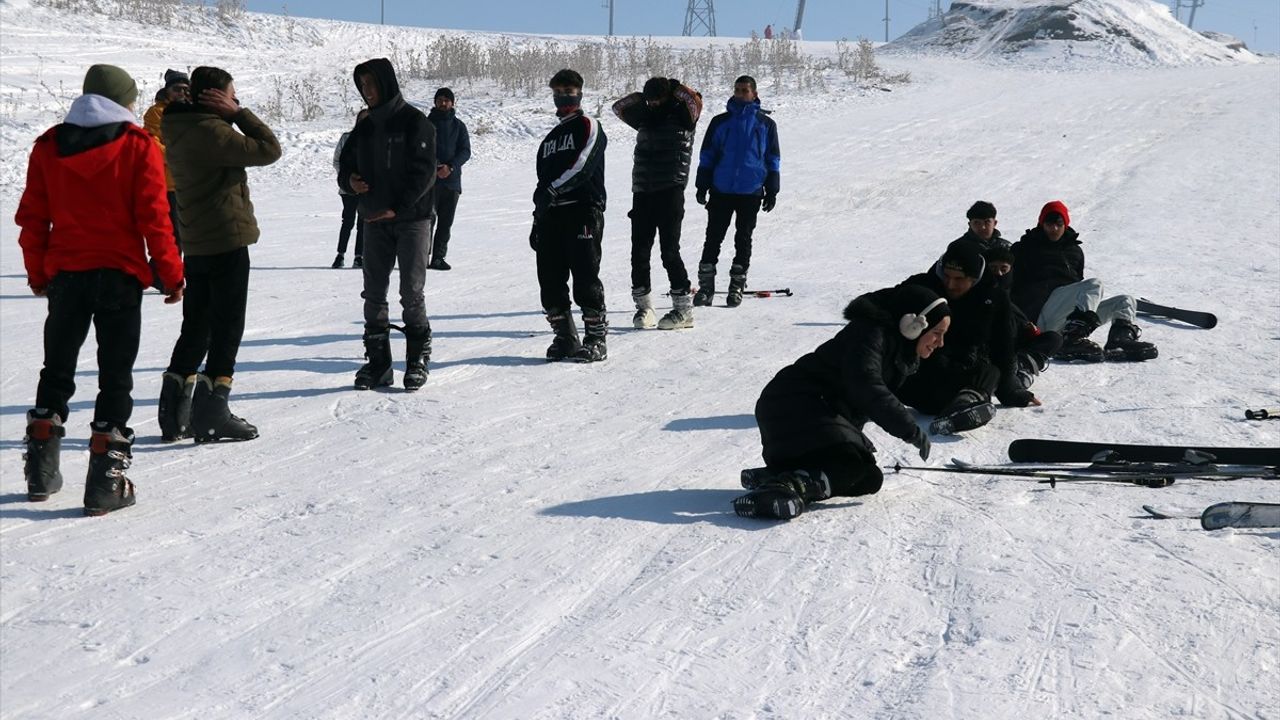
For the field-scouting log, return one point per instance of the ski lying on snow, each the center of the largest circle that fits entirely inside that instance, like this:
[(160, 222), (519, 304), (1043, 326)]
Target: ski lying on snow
[(1198, 318), (1263, 414), (1227, 514), (1036, 450)]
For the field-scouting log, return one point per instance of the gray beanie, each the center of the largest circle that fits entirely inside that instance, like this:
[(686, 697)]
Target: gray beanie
[(112, 83)]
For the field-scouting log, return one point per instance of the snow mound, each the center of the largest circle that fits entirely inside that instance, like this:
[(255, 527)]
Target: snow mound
[(1127, 32)]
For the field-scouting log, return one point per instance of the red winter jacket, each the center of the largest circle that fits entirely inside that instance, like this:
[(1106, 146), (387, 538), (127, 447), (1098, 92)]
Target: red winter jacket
[(96, 209)]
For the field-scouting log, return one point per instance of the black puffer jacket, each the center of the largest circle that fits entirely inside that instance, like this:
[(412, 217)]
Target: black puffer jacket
[(453, 145), (1041, 266), (826, 397), (664, 138), (393, 149), (982, 328)]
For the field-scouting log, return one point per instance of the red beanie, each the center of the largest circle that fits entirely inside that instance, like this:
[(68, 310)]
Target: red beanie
[(1055, 206)]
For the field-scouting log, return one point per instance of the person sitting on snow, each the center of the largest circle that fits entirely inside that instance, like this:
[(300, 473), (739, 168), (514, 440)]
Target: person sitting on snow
[(811, 414), (1050, 285), (1032, 346)]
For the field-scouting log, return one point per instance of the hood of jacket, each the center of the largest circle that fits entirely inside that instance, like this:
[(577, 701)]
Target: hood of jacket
[(86, 140), (1037, 235), (737, 107), (384, 74)]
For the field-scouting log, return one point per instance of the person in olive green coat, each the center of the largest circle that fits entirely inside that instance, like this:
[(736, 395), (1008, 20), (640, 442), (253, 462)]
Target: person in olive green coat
[(208, 157)]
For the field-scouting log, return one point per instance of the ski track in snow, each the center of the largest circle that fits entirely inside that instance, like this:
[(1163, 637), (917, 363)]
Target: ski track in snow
[(524, 540)]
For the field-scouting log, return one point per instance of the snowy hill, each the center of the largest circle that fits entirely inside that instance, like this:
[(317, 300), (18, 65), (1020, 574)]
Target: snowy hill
[(1129, 32), (530, 541)]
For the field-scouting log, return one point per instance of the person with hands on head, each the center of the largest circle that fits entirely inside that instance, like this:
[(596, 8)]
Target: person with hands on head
[(210, 143), (739, 174), (390, 163), (93, 209), (811, 414)]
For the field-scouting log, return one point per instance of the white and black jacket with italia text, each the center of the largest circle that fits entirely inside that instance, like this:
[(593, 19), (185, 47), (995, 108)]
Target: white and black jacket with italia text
[(571, 164)]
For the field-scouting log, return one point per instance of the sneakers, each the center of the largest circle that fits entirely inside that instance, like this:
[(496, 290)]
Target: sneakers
[(681, 315), (106, 489), (41, 460), (1123, 344), (566, 343), (358, 262), (595, 329), (969, 410), (175, 406), (706, 285), (211, 418), (782, 495), (645, 318), (737, 284), (338, 262), (417, 354), (439, 264), (376, 372)]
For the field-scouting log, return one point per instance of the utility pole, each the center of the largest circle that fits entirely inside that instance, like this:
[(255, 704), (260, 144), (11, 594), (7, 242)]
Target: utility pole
[(700, 18), (1191, 21), (382, 12), (935, 9), (609, 4), (886, 20), (799, 18)]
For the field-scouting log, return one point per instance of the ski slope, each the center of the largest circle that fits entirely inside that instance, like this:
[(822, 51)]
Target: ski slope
[(534, 541)]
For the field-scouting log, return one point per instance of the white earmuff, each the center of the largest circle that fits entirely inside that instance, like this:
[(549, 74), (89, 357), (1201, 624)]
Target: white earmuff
[(913, 325)]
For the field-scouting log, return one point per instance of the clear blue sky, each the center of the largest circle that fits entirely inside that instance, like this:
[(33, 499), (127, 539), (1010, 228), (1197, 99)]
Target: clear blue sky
[(1257, 22)]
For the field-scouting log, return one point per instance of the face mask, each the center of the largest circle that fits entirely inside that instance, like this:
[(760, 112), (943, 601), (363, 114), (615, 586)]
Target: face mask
[(567, 101)]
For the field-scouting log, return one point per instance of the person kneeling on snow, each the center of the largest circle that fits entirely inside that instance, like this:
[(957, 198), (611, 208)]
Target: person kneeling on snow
[(1050, 285), (811, 414)]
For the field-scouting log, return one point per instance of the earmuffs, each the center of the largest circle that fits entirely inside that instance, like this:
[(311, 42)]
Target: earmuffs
[(913, 325)]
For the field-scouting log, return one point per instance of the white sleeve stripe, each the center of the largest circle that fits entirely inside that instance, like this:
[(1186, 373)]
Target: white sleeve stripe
[(581, 162)]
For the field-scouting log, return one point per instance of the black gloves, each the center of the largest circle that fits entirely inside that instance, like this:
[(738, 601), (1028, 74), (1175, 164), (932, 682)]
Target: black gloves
[(1015, 396), (701, 197), (533, 237), (770, 199), (922, 441)]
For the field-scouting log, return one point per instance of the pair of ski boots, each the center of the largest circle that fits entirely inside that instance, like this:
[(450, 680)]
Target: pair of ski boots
[(707, 285), (1122, 345), (780, 495), (566, 345), (197, 407), (680, 317), (376, 372), (106, 487)]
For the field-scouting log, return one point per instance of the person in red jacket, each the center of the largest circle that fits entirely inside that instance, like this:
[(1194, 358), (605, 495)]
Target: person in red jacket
[(93, 209)]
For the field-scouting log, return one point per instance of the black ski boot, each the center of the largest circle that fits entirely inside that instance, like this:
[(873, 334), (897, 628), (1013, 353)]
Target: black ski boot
[(970, 409), (175, 406), (782, 495), (106, 488), (1076, 345), (41, 460), (376, 372), (595, 328), (737, 284), (211, 418), (1123, 343), (566, 343), (706, 285), (417, 353)]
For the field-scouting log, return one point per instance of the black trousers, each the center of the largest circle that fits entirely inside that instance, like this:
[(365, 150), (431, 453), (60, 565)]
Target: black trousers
[(173, 218), (932, 388), (213, 309), (660, 213), (110, 300), (569, 244), (852, 470), (446, 206), (350, 204), (720, 210)]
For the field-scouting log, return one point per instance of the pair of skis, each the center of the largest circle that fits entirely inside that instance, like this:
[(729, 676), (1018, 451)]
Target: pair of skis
[(1108, 466), (1225, 515)]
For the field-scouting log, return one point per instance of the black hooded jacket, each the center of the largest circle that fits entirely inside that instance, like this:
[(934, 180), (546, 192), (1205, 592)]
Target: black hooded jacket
[(453, 145), (1041, 266), (664, 138), (826, 397), (393, 150)]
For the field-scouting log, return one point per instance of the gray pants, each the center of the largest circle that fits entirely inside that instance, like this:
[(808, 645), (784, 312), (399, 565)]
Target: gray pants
[(385, 243), (1085, 294)]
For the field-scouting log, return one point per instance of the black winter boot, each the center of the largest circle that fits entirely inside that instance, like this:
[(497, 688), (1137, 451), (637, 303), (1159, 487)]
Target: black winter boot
[(175, 406), (1123, 343), (595, 329), (706, 285), (566, 343), (417, 353), (211, 418), (737, 284), (1076, 344), (376, 372), (783, 496), (41, 460), (970, 409), (110, 452)]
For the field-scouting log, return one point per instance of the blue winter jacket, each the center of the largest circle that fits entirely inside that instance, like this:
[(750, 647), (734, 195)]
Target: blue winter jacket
[(740, 153)]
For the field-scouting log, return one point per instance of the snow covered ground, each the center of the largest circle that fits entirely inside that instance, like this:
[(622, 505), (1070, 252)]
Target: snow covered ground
[(523, 540)]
